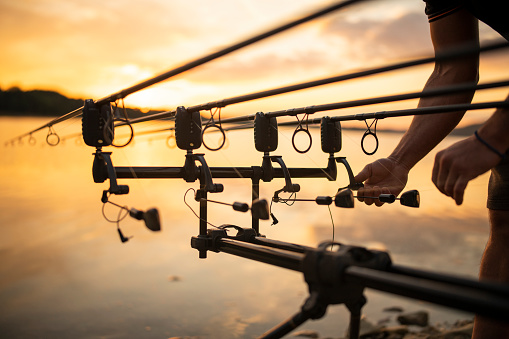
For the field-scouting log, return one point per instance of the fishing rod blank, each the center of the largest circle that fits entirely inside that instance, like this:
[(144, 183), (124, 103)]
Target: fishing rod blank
[(321, 82), (55, 121), (377, 100), (364, 116), (200, 61), (287, 89), (374, 115), (384, 99)]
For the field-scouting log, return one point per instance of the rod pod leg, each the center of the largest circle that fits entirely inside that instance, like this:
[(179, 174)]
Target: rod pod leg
[(355, 318), (314, 308), (287, 326)]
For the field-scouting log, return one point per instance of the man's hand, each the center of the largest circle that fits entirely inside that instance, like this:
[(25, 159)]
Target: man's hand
[(382, 176), (458, 164)]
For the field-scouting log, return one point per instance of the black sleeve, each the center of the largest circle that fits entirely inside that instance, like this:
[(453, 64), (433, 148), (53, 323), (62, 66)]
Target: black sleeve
[(436, 9)]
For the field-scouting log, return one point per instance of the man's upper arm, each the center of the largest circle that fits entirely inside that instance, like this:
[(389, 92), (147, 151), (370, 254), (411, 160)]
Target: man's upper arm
[(456, 30)]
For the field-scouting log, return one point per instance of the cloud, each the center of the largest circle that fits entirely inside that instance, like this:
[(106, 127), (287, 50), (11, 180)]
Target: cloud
[(372, 40), (269, 66), (328, 47)]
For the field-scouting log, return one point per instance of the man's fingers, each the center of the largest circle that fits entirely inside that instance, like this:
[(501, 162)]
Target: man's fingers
[(373, 192), (449, 185), (364, 174), (448, 179), (440, 172), (436, 169), (459, 190), (384, 190), (360, 194)]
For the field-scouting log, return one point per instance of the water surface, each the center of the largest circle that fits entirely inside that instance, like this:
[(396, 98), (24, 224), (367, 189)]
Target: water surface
[(64, 272)]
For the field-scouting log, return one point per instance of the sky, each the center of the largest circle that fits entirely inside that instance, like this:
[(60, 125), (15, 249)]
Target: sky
[(93, 48)]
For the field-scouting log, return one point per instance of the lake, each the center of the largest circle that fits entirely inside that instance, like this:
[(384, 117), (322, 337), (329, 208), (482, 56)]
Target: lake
[(65, 273)]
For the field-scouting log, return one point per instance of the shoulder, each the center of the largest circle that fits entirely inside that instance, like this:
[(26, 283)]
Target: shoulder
[(436, 9)]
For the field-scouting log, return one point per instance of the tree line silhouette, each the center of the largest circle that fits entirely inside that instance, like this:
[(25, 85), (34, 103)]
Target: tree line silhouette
[(16, 102)]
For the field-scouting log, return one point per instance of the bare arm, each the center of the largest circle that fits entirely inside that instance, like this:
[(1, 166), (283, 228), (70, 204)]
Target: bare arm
[(390, 175), (427, 131)]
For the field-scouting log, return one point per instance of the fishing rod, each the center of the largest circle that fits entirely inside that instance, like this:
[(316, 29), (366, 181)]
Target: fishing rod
[(306, 85), (382, 115), (350, 104), (375, 115), (198, 62), (282, 90), (408, 112), (376, 100), (245, 122)]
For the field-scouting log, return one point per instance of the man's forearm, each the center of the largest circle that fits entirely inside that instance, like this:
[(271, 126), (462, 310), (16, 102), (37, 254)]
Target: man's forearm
[(426, 131)]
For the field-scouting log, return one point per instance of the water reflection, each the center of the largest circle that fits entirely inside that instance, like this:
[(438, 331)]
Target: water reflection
[(63, 270)]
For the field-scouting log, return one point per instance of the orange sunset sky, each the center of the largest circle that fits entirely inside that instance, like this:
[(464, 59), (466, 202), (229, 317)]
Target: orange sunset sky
[(92, 48)]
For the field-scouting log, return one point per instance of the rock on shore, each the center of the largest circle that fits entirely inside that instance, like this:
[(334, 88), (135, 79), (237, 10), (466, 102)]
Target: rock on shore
[(411, 326)]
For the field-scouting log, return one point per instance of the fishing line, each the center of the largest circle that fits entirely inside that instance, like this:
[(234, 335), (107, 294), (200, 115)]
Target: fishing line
[(306, 85), (116, 117), (171, 141), (62, 127), (212, 124), (120, 217), (384, 99), (52, 138), (134, 176), (368, 133), (31, 140), (192, 210), (305, 154), (300, 128), (200, 61), (333, 227), (290, 200), (222, 103)]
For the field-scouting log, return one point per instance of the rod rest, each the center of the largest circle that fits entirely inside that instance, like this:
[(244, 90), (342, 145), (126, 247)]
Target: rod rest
[(324, 272), (191, 173), (211, 241), (103, 169), (352, 184)]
